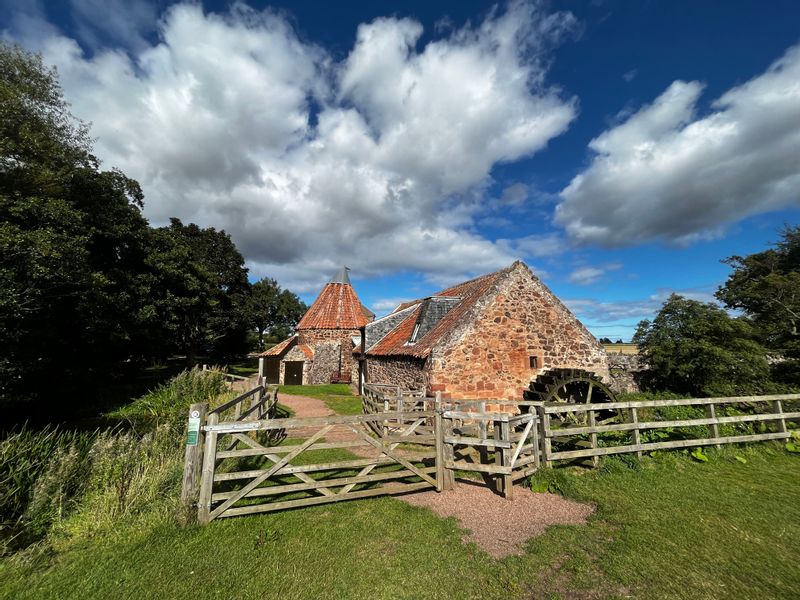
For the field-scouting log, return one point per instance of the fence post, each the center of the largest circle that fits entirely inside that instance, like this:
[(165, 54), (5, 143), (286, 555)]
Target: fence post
[(193, 458), (505, 460), (593, 438), (711, 413), (260, 367), (439, 436), (207, 474), (448, 474), (544, 428), (535, 443), (777, 408), (637, 436), (399, 407)]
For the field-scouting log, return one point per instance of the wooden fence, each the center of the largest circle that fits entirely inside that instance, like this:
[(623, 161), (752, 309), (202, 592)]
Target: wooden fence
[(497, 444), (383, 398), (279, 463), (240, 459), (229, 378), (263, 403), (764, 412)]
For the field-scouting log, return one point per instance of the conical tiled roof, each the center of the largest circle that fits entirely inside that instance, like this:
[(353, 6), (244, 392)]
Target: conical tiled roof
[(337, 307)]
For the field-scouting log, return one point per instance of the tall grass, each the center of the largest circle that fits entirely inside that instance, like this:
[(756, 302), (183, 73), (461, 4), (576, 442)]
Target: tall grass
[(29, 462), (66, 485), (169, 402)]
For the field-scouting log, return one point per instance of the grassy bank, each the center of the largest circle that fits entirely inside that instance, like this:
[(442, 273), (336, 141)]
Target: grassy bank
[(664, 528)]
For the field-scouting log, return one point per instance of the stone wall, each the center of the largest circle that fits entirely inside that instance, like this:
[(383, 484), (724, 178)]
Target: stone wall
[(405, 371), (489, 355), (332, 352), (326, 362), (625, 370)]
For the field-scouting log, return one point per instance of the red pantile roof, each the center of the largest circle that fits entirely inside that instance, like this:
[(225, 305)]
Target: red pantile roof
[(397, 337), (280, 348), (337, 307), (396, 341)]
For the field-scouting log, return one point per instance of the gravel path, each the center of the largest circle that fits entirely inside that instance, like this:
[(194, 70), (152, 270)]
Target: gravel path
[(499, 526), (303, 406)]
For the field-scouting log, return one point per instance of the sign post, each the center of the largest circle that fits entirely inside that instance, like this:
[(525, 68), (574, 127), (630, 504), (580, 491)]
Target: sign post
[(193, 460)]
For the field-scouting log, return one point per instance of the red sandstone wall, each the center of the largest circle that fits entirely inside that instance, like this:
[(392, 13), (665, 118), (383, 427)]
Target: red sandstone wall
[(488, 356)]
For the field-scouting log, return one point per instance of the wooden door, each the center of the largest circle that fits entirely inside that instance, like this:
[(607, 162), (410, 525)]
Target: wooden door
[(294, 372)]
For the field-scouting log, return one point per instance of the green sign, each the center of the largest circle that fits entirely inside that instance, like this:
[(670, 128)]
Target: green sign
[(194, 431)]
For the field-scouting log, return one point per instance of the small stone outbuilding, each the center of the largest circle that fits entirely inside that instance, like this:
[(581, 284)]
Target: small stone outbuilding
[(485, 338), (321, 350)]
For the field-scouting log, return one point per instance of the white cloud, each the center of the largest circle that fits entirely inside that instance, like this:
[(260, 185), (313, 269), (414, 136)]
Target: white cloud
[(667, 173), (387, 305), (535, 245), (376, 162), (598, 311), (589, 275)]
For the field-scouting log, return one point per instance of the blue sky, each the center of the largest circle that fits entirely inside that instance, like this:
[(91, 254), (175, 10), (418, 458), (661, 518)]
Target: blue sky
[(622, 149)]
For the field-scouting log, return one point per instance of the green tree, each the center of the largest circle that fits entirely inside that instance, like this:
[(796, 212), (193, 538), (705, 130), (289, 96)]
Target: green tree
[(697, 348), (766, 287), (273, 310), (71, 238), (199, 291)]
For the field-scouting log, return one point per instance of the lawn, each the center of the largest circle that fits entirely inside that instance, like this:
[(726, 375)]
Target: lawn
[(664, 528), (337, 396)]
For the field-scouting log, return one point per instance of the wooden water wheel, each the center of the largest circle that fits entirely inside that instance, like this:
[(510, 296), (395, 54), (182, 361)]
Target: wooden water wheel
[(572, 386)]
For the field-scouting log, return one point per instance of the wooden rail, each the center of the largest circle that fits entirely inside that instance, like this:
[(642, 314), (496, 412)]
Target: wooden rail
[(635, 426), (406, 442), (263, 404), (327, 471)]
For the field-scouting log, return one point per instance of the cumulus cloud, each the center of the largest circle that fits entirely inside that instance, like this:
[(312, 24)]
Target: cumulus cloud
[(668, 173), (376, 161)]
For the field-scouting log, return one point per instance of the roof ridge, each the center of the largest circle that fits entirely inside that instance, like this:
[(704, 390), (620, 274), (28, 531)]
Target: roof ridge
[(475, 279)]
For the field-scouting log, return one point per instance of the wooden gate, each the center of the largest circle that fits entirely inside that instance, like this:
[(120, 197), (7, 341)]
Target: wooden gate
[(275, 464), (498, 444)]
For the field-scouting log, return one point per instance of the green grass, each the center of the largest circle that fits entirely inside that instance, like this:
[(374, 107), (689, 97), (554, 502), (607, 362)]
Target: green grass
[(337, 396), (245, 367), (664, 528)]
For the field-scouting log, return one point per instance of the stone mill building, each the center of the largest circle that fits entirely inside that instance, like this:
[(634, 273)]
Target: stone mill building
[(321, 350), (484, 338)]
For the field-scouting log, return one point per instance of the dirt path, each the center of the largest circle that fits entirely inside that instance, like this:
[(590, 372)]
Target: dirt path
[(498, 526), (304, 406)]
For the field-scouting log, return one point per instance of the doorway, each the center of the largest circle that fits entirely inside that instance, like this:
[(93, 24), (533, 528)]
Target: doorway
[(293, 374)]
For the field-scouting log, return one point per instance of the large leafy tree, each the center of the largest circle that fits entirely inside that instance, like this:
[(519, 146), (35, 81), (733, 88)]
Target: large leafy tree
[(71, 238), (86, 285), (698, 348), (273, 310), (199, 290), (766, 287)]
